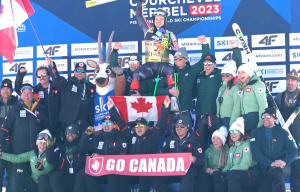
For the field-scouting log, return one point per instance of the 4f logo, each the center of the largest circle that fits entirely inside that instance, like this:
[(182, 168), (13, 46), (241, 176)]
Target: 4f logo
[(52, 50), (227, 57), (267, 40), (16, 67), (272, 85)]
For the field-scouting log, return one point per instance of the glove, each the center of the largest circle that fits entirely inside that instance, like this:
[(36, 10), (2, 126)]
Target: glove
[(89, 130), (224, 176), (118, 71), (51, 141), (94, 155), (39, 165)]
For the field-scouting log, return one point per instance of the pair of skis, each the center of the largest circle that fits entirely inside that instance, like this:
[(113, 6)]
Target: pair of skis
[(285, 125)]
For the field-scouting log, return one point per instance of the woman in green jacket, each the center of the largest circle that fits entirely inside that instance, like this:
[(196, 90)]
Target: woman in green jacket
[(38, 163), (240, 169), (209, 179), (228, 100), (253, 97)]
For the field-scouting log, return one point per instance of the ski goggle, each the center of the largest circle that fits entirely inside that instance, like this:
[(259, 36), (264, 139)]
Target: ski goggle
[(80, 70), (225, 74), (233, 131), (180, 126), (139, 125), (43, 136), (178, 58), (208, 63), (133, 62), (106, 123), (43, 75), (266, 117), (26, 87)]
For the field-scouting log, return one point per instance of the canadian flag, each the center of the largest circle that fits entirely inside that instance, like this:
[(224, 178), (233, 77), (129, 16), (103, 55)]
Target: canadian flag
[(133, 107), (12, 14)]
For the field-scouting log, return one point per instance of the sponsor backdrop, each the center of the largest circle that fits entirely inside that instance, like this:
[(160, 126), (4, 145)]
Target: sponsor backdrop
[(69, 32)]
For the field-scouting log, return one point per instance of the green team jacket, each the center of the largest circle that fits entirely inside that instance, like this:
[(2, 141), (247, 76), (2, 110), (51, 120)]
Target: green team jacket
[(253, 98), (212, 156), (32, 157), (231, 105), (239, 157), (186, 80), (146, 86)]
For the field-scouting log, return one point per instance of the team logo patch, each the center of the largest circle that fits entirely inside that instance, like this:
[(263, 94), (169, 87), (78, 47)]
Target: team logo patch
[(95, 165), (248, 90), (252, 139), (22, 113), (115, 144), (239, 92), (36, 112), (260, 90), (81, 64), (246, 149), (54, 91), (200, 150), (133, 140), (180, 121), (290, 137), (237, 155), (5, 84), (226, 92), (190, 145), (92, 90), (172, 144), (124, 145)]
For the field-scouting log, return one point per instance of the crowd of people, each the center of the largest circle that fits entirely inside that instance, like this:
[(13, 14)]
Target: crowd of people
[(48, 131)]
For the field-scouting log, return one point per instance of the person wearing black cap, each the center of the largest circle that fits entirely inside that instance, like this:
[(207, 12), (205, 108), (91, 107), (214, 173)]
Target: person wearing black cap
[(77, 98), (68, 161), (158, 43), (134, 62), (287, 102), (22, 123), (184, 140), (108, 141), (274, 149), (7, 101), (143, 139), (48, 93)]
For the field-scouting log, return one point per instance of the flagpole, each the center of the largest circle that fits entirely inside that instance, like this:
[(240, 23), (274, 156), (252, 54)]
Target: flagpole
[(38, 38)]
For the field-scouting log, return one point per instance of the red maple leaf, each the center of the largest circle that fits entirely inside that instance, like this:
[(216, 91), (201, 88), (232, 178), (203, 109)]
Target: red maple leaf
[(141, 106), (1, 11)]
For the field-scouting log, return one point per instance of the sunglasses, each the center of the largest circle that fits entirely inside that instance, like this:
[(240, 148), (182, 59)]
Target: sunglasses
[(80, 70), (71, 131), (208, 63), (43, 75), (178, 58), (43, 136), (106, 123), (266, 117), (225, 74), (26, 87), (133, 62), (139, 125), (180, 126), (233, 131)]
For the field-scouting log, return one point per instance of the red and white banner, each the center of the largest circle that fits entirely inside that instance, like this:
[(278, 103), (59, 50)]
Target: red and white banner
[(163, 164), (12, 14), (132, 107)]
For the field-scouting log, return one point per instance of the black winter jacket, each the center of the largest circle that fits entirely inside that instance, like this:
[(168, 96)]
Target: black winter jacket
[(106, 143), (71, 97), (23, 126), (190, 145), (148, 142), (57, 156), (266, 150), (4, 108), (51, 101)]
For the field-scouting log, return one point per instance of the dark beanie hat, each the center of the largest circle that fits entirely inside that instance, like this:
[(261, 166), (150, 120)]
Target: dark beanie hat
[(6, 83)]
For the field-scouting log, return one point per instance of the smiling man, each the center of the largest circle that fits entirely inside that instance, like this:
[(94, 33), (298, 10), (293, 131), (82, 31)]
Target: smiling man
[(275, 150), (287, 102), (48, 93)]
